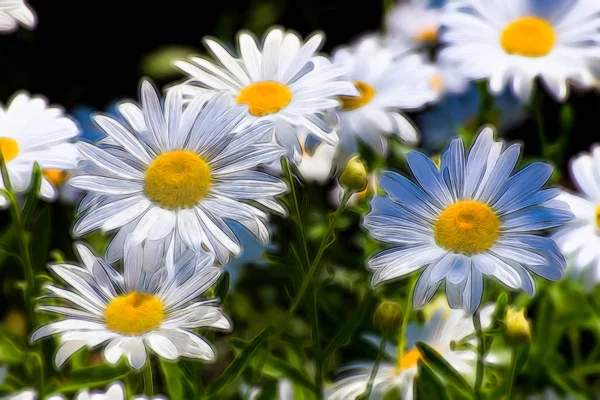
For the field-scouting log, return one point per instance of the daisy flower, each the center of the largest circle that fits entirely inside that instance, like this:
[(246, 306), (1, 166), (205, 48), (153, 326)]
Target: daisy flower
[(175, 175), (136, 310), (469, 218), (282, 81), (28, 394), (34, 132), (317, 162), (512, 42), (414, 21), (399, 370), (580, 238), (15, 12), (386, 83)]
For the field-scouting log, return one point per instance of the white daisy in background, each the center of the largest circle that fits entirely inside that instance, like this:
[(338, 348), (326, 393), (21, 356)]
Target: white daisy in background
[(176, 176), (579, 240), (283, 82), (28, 394), (399, 370), (387, 84), (15, 12), (414, 21), (134, 310), (285, 391), (30, 132), (469, 218), (512, 42), (317, 164)]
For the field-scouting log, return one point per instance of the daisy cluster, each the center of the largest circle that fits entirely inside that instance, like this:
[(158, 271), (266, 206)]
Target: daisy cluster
[(173, 173)]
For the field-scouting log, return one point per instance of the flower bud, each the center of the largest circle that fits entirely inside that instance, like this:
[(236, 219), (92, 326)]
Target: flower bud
[(354, 177), (517, 327), (388, 315)]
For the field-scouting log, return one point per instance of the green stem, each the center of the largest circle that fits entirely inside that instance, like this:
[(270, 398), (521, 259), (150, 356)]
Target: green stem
[(480, 355), (513, 370), (148, 381), (407, 312), (290, 176), (536, 106), (375, 368)]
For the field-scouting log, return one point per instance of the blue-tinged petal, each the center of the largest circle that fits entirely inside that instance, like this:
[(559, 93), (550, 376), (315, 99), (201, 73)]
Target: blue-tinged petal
[(385, 206), (453, 168), (466, 294), (440, 269), (504, 272), (459, 270), (425, 289), (523, 184), (502, 170), (546, 247), (429, 178), (477, 161), (400, 261), (407, 193), (395, 230), (539, 197), (536, 218)]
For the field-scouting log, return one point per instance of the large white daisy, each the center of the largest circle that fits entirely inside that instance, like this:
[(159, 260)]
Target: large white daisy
[(580, 238), (176, 175), (388, 82), (469, 218), (511, 42), (283, 82), (414, 21), (30, 132), (136, 309), (399, 370), (15, 12)]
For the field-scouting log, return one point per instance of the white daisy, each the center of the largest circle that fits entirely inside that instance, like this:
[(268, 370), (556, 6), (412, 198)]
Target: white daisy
[(13, 12), (511, 42), (176, 175), (469, 218), (134, 310), (439, 332), (30, 132), (580, 238), (283, 82), (317, 162), (28, 394), (114, 392), (414, 21), (387, 83)]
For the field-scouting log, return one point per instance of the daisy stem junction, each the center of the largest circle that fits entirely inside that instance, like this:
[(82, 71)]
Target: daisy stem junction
[(480, 355)]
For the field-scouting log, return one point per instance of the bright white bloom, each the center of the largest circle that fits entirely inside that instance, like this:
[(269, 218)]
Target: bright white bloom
[(387, 83), (175, 175), (28, 394), (114, 392), (284, 391), (317, 162), (30, 132), (511, 42), (134, 310), (580, 239), (13, 12), (470, 217), (399, 372), (414, 21), (283, 82)]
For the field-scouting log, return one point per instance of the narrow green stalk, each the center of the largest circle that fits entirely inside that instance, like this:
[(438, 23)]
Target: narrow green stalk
[(375, 368), (407, 312), (148, 381), (290, 176), (536, 109), (480, 355), (513, 370)]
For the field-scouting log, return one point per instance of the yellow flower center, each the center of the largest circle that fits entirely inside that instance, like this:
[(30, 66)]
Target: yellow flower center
[(178, 179), (408, 360), (598, 217), (264, 98), (134, 314), (428, 34), (467, 226), (351, 103), (55, 176), (436, 82), (9, 148), (528, 37)]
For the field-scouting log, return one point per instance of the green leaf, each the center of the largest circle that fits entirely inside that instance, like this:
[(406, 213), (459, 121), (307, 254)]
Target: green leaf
[(428, 386), (443, 368), (237, 366), (11, 352), (4, 172), (293, 374), (222, 287), (177, 384), (40, 241), (34, 192), (94, 376)]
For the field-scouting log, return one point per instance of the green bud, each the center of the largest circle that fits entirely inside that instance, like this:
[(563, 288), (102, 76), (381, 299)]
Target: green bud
[(388, 315), (354, 177)]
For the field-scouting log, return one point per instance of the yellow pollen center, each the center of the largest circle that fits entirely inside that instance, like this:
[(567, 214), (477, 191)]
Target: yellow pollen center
[(264, 98), (351, 103), (408, 360), (428, 34), (134, 314), (436, 82), (9, 148), (467, 226), (55, 176), (598, 217), (528, 37), (178, 179)]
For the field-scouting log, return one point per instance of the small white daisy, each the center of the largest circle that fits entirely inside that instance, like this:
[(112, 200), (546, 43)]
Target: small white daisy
[(444, 328), (470, 217), (512, 42), (134, 310), (30, 132), (176, 175), (283, 82), (28, 394), (317, 162), (414, 21), (580, 238), (387, 83), (13, 12)]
